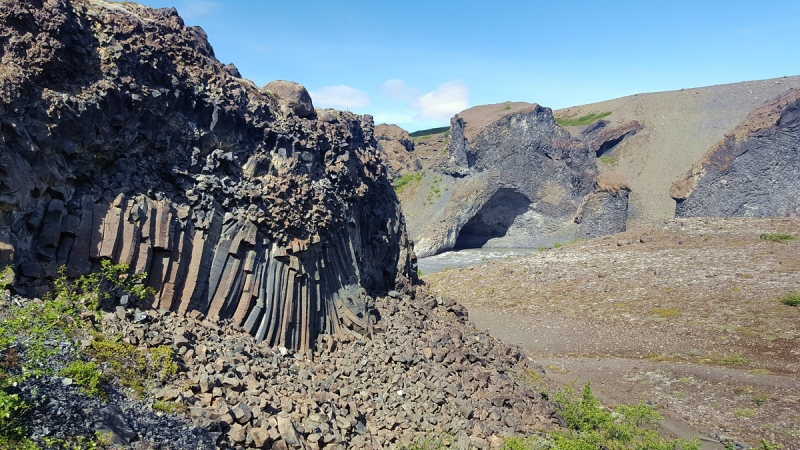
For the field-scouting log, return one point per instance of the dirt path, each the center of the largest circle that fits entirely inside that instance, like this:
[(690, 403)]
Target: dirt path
[(688, 320)]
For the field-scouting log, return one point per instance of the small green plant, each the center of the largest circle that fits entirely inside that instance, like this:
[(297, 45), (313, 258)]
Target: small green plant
[(608, 159), (583, 120), (420, 273), (542, 248), (404, 180), (591, 426), (791, 299), (12, 407), (508, 107), (169, 407), (558, 245), (736, 359), (745, 413), (6, 277), (87, 375), (665, 313), (778, 237)]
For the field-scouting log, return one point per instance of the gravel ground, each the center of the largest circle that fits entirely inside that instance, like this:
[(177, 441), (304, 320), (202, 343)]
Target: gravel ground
[(689, 319)]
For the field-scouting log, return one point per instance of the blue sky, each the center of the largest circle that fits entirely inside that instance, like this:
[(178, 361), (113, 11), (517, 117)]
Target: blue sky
[(416, 63)]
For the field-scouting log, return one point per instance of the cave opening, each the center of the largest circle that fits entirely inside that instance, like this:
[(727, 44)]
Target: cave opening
[(609, 145), (493, 219)]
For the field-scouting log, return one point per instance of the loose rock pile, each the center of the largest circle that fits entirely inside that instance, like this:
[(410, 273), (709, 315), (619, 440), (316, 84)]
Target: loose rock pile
[(424, 371)]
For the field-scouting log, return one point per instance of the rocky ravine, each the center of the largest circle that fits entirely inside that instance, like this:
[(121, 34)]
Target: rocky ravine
[(753, 171), (123, 138), (509, 176)]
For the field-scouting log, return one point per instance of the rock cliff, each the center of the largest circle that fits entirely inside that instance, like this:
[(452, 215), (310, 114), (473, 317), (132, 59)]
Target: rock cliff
[(512, 178), (123, 138), (753, 171)]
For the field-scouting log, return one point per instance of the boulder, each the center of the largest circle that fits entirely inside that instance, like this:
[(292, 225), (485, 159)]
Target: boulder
[(292, 97)]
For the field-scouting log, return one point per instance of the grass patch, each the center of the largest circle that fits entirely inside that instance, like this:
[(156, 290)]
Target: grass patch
[(759, 372), (404, 180), (29, 336), (583, 120), (665, 313), (745, 413), (777, 237), (608, 159), (736, 359), (791, 299), (590, 426), (430, 131)]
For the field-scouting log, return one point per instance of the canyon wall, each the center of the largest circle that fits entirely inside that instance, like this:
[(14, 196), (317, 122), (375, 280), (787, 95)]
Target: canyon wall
[(123, 138)]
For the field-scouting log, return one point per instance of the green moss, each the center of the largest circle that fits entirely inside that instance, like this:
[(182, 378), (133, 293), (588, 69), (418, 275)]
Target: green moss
[(778, 237), (404, 180), (583, 120)]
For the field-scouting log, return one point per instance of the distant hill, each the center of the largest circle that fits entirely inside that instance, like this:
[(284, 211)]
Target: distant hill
[(642, 142)]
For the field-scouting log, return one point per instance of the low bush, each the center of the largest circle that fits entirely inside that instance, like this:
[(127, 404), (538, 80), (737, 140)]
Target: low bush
[(791, 299), (401, 182), (777, 237)]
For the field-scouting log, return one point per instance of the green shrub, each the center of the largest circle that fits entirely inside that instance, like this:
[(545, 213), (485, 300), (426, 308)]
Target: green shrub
[(87, 375), (12, 407), (403, 181), (583, 120), (592, 426), (791, 299), (777, 237)]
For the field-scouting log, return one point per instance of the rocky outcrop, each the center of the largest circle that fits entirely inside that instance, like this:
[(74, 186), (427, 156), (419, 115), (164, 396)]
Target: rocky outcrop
[(604, 211), (753, 171), (123, 138), (601, 138), (513, 178), (398, 149)]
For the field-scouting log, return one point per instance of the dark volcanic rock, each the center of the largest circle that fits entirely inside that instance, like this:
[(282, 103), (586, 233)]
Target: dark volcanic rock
[(753, 171), (604, 211), (516, 177), (123, 138)]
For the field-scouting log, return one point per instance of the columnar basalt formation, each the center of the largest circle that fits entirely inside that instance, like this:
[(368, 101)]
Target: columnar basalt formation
[(123, 138), (753, 171)]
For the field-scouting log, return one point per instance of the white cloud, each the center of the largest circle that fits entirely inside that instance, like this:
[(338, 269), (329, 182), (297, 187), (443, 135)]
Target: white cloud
[(448, 99), (194, 9), (339, 97), (438, 106), (393, 117), (398, 90)]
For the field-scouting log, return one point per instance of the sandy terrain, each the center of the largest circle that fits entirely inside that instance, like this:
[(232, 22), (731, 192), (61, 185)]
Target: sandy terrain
[(689, 319)]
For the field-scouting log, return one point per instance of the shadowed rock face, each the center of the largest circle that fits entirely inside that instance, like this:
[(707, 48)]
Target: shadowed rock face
[(123, 138), (753, 171)]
